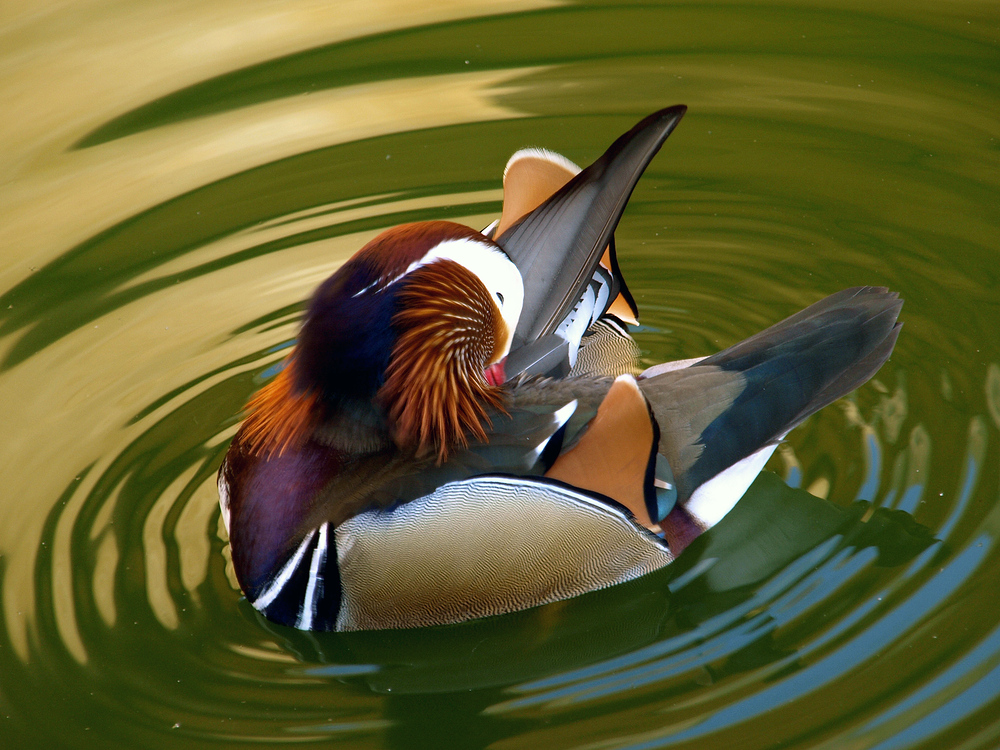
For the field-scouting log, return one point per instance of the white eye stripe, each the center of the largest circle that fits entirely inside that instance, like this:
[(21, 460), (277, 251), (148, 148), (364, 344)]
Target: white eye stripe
[(479, 257)]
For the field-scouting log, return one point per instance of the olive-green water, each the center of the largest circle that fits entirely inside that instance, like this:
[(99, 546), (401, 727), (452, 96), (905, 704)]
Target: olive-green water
[(175, 178)]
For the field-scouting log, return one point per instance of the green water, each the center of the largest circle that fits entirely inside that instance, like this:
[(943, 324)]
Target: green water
[(175, 178)]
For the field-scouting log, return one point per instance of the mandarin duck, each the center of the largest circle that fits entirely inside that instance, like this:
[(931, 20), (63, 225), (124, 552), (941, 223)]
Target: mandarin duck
[(462, 430)]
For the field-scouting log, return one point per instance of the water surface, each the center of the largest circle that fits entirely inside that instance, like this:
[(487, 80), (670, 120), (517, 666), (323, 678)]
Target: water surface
[(177, 178)]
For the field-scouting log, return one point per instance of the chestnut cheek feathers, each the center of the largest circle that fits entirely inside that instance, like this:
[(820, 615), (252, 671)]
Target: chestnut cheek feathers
[(434, 393), (499, 277)]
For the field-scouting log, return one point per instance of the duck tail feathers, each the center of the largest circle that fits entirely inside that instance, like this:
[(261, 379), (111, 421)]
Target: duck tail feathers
[(721, 417)]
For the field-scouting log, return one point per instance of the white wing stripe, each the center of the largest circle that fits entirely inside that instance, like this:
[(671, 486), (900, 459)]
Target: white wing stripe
[(561, 417), (716, 497)]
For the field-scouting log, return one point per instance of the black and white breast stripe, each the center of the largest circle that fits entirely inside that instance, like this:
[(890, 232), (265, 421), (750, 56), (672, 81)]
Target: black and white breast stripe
[(305, 592)]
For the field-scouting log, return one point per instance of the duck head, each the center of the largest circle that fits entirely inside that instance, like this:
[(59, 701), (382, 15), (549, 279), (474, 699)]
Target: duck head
[(403, 344), (401, 339)]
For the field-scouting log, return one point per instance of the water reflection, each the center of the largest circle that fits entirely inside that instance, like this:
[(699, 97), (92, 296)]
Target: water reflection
[(176, 184)]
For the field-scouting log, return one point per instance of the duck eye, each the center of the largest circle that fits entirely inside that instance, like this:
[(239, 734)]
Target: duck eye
[(500, 297)]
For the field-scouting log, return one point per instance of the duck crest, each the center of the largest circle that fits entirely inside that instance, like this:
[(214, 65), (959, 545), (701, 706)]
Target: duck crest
[(391, 253), (449, 330), (280, 416)]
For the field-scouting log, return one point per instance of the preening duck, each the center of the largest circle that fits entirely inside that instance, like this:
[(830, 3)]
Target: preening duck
[(462, 429)]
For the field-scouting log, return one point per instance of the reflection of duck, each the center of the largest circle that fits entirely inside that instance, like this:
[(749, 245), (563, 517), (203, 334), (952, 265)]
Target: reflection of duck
[(410, 466)]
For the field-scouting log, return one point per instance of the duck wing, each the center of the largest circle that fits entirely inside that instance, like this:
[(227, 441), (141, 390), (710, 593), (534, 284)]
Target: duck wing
[(558, 246), (532, 176), (721, 418), (717, 420)]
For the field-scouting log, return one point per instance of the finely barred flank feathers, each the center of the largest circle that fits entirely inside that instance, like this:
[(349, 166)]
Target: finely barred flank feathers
[(435, 392), (279, 417)]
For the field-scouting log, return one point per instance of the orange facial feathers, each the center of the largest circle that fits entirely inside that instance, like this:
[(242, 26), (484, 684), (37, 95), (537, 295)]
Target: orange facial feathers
[(449, 328), (279, 416)]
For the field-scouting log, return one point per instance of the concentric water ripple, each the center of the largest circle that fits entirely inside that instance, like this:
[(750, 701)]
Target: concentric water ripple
[(164, 236)]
